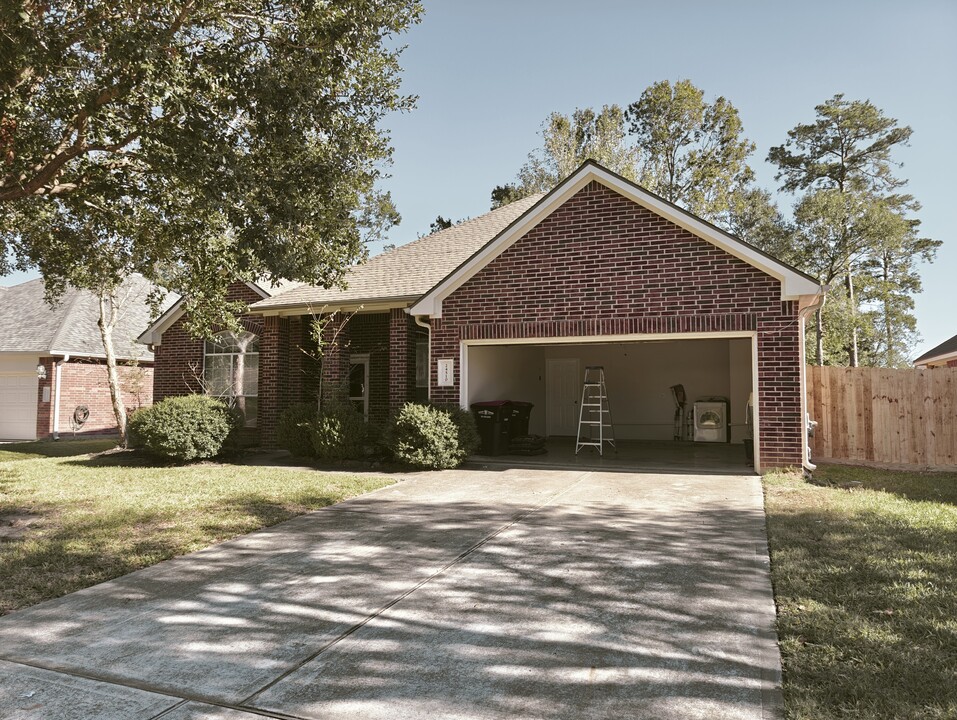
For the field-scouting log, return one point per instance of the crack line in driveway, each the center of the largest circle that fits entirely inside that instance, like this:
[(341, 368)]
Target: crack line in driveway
[(402, 596), (184, 698)]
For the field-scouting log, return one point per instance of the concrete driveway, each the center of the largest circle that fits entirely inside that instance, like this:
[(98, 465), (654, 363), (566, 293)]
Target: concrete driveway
[(463, 594)]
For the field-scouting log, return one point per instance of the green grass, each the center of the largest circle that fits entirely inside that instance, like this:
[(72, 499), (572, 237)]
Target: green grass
[(83, 519), (865, 581)]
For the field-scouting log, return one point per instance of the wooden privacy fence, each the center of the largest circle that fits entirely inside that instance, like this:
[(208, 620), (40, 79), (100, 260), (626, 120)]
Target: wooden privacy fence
[(893, 417)]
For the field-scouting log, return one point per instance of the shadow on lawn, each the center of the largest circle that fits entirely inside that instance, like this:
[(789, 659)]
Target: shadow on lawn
[(44, 562), (55, 448), (866, 603), (604, 612), (920, 486)]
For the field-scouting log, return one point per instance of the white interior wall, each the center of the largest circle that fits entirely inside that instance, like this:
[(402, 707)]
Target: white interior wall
[(739, 360), (638, 375), (509, 372)]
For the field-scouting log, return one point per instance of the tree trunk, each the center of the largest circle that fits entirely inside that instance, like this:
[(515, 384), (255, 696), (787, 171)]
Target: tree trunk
[(819, 333), (107, 321), (849, 283), (888, 329)]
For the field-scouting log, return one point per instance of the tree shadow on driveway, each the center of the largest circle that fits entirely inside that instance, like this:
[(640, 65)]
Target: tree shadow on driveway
[(590, 606)]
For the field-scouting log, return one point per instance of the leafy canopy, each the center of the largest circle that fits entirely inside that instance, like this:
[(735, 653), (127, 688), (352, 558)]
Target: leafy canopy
[(852, 225), (197, 142)]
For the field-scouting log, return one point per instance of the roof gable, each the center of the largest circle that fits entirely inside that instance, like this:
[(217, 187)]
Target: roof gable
[(154, 333), (794, 283)]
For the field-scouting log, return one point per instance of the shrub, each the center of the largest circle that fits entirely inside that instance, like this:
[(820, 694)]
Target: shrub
[(469, 438), (338, 431), (294, 429), (184, 428), (425, 437)]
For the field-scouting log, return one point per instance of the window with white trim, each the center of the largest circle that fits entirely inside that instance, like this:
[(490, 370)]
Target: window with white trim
[(231, 371), (359, 383)]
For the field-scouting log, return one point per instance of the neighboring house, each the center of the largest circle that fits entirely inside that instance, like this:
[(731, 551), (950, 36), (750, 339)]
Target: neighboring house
[(944, 355), (516, 303), (52, 360)]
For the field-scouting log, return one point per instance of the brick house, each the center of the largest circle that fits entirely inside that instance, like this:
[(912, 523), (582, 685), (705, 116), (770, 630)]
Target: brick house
[(515, 303), (52, 361)]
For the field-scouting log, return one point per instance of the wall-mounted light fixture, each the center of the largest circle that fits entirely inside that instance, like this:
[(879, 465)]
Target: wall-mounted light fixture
[(42, 371)]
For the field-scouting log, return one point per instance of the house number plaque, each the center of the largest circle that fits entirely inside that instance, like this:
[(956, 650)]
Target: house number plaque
[(446, 372)]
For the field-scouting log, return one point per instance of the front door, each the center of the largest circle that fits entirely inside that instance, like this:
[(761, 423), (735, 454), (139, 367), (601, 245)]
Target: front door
[(562, 386)]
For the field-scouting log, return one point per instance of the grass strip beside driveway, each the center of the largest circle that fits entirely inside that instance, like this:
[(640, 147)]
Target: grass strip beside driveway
[(69, 522), (865, 581)]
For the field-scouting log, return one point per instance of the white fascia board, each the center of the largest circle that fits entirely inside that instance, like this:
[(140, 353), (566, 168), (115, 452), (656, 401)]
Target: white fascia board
[(793, 284), (262, 292), (154, 333)]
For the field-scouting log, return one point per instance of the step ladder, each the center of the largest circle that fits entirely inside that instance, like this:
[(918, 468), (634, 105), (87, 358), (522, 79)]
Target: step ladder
[(594, 413)]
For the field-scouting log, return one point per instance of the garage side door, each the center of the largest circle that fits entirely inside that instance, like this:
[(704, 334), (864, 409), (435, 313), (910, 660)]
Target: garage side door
[(18, 406)]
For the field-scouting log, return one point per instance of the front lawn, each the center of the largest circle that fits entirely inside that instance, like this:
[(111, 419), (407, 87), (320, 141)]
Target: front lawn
[(69, 520), (865, 580)]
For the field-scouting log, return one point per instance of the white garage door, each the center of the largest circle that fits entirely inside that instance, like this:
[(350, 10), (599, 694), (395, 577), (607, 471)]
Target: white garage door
[(18, 407)]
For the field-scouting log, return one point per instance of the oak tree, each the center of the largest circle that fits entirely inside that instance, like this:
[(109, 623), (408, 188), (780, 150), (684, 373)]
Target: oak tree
[(197, 142)]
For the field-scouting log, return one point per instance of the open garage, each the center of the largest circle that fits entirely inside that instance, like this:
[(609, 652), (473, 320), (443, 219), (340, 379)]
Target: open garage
[(644, 379)]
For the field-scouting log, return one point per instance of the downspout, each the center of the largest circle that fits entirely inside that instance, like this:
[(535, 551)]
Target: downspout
[(57, 376), (803, 315), (421, 323)]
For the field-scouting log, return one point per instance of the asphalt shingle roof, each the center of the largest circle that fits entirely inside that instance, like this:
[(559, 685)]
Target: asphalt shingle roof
[(29, 324), (945, 348), (411, 270)]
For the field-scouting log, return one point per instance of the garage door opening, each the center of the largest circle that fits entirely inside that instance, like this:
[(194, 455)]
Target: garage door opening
[(716, 374)]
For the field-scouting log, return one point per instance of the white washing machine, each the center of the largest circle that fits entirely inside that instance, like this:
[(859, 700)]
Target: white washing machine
[(711, 420)]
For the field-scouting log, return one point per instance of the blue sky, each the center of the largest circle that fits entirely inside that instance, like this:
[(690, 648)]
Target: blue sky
[(488, 73)]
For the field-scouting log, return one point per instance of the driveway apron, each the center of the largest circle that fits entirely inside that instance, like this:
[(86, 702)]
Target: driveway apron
[(462, 594)]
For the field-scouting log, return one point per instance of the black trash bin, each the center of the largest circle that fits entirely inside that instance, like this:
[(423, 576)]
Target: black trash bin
[(493, 419), (518, 421)]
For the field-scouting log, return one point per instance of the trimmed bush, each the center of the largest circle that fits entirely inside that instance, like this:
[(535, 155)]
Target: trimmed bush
[(189, 427), (294, 430), (338, 431), (425, 437), (469, 438)]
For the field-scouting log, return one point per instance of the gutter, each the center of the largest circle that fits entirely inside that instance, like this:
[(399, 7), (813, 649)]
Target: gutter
[(57, 377), (423, 324), (803, 315)]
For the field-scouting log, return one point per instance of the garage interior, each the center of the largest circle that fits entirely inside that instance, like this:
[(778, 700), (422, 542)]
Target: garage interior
[(639, 377)]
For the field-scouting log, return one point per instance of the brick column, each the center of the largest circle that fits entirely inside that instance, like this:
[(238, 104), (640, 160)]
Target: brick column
[(401, 358), (296, 360), (335, 354), (273, 388)]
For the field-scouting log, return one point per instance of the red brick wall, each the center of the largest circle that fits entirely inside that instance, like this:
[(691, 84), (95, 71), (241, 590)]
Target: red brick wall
[(84, 382), (603, 265), (179, 358)]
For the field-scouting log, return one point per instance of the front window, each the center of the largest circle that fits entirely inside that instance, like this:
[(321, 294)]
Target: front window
[(232, 371), (359, 384)]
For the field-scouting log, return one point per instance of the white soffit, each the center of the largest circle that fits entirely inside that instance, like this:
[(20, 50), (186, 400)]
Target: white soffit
[(793, 283)]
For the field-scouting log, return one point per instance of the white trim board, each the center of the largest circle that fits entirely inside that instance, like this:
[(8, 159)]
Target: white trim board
[(794, 284)]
